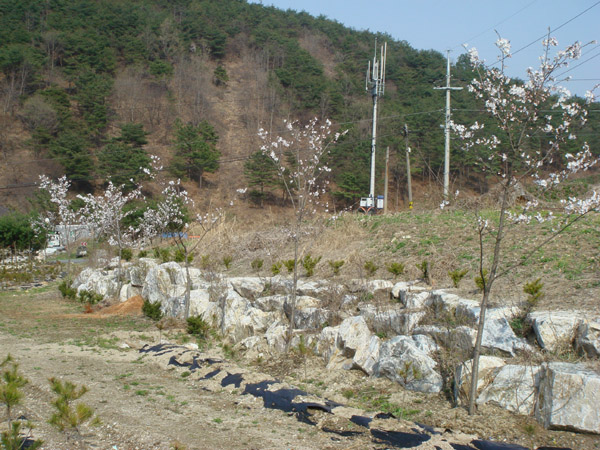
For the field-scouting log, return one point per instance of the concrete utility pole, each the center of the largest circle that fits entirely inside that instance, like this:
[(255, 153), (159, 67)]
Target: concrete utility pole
[(447, 88), (385, 186), (408, 174)]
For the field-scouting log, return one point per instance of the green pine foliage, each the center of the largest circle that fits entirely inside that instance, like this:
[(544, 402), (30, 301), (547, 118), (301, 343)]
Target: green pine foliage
[(65, 57), (195, 151)]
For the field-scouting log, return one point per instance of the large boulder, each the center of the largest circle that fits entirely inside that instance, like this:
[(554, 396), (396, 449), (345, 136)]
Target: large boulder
[(514, 388), (353, 333), (498, 335), (200, 305), (326, 343), (390, 321), (163, 282), (587, 338), (103, 282), (312, 288), (128, 291), (271, 303), (366, 357), (569, 395), (241, 320), (454, 338), (555, 330), (248, 287), (489, 366), (411, 296), (137, 273), (405, 360)]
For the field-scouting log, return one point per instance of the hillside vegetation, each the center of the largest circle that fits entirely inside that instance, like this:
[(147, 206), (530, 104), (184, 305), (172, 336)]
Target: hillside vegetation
[(91, 88)]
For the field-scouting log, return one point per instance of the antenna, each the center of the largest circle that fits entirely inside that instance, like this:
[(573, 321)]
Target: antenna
[(375, 83)]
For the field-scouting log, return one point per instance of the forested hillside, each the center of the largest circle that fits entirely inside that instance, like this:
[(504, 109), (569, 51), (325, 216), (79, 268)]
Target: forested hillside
[(91, 88)]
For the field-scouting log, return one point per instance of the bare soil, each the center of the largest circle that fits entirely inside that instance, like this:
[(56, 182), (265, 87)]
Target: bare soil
[(143, 405)]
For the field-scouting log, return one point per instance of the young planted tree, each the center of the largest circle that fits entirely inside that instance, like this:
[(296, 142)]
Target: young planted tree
[(68, 415), (533, 122), (300, 162), (62, 214), (11, 382), (170, 218), (105, 214)]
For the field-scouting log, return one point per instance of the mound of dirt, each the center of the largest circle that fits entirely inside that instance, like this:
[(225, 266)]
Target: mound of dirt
[(130, 307)]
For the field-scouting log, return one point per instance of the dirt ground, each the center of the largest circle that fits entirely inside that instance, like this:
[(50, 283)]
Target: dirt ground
[(143, 405)]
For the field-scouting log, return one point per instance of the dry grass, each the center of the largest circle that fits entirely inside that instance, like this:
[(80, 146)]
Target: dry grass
[(569, 266)]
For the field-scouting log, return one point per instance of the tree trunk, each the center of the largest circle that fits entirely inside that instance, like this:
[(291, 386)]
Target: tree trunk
[(188, 287), (294, 288), (487, 287)]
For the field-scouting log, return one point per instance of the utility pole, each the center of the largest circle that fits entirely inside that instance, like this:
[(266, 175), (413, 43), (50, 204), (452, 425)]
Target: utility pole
[(447, 88), (385, 185), (408, 175), (375, 82)]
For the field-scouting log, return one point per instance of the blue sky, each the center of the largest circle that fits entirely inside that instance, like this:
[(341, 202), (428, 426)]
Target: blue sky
[(443, 25)]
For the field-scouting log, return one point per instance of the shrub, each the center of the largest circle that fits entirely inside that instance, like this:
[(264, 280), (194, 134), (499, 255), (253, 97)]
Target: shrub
[(227, 260), (289, 265), (457, 275), (336, 266), (152, 310), (126, 254), (370, 268), (164, 255), (142, 254), (66, 290), (256, 264), (534, 290), (479, 281), (197, 326), (309, 263), (68, 416), (205, 262), (90, 298), (179, 256), (395, 268), (425, 269), (276, 268)]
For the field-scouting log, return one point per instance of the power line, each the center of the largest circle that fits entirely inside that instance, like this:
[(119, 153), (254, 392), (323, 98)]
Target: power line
[(459, 45), (552, 30)]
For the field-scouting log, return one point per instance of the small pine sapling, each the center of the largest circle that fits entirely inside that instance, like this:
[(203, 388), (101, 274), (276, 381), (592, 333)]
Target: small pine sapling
[(11, 382), (227, 260), (336, 266), (256, 264), (395, 268), (534, 290), (289, 265), (276, 268), (457, 275), (309, 263), (425, 268), (481, 281), (370, 267), (69, 416)]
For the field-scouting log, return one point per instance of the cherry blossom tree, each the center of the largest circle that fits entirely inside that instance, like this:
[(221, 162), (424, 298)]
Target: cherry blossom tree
[(171, 219), (300, 162), (523, 111), (104, 214), (62, 215)]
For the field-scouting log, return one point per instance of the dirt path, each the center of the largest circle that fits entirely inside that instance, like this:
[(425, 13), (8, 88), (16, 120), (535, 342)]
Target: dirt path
[(143, 407), (146, 402)]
